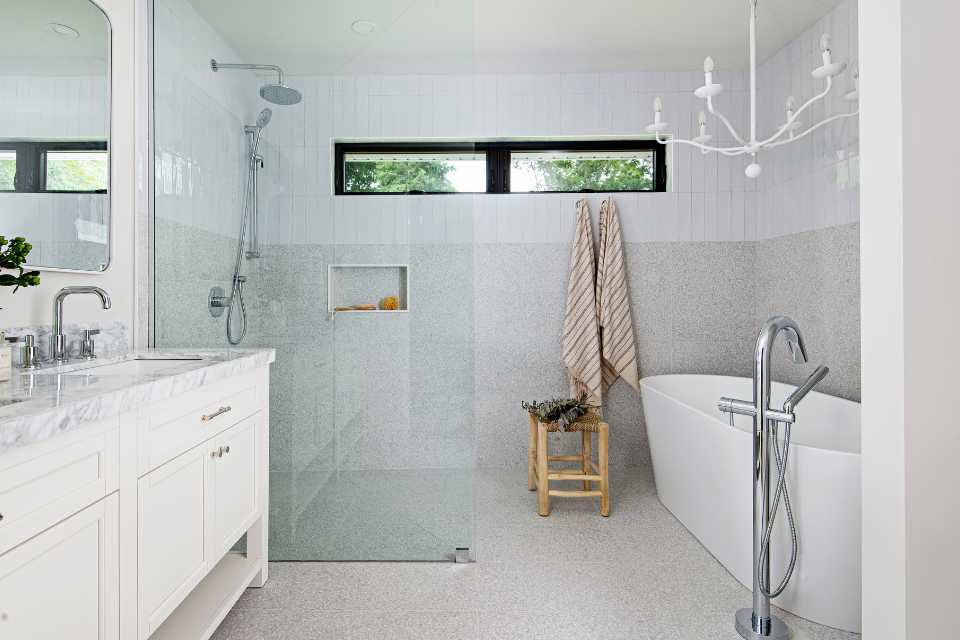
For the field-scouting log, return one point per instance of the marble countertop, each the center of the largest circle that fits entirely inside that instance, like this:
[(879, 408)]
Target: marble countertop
[(46, 402)]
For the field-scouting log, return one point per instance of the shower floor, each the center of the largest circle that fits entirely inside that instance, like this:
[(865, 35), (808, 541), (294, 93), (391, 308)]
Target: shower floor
[(417, 515), (636, 575)]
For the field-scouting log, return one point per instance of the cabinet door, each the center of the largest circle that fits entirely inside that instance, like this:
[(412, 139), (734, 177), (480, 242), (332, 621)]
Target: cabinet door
[(235, 498), (64, 582), (172, 539)]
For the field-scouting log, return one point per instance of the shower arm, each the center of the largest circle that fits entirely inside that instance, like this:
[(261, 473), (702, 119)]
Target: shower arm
[(216, 66)]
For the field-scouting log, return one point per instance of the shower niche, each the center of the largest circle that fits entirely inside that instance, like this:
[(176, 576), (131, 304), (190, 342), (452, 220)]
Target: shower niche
[(368, 288)]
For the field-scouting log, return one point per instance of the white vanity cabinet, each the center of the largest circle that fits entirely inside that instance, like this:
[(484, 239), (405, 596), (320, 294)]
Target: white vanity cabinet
[(193, 510), (63, 582), (125, 529)]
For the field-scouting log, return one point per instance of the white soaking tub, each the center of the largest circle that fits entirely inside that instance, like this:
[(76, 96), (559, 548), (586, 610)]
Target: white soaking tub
[(702, 467)]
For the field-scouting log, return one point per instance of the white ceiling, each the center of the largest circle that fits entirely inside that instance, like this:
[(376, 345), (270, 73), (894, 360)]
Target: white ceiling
[(314, 36), (29, 47)]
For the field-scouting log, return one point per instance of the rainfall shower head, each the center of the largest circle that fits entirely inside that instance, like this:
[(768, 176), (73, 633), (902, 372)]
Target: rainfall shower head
[(280, 94), (277, 93)]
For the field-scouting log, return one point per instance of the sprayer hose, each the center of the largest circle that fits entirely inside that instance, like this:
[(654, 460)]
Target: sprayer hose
[(763, 560)]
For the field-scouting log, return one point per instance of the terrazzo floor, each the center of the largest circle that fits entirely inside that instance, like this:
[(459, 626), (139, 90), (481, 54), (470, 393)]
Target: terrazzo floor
[(379, 515), (575, 575)]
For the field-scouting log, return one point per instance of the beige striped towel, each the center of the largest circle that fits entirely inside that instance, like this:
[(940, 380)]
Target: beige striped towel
[(581, 340), (618, 345)]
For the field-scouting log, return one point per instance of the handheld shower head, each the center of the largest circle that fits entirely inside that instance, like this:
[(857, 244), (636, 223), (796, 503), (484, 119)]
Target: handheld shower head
[(264, 118)]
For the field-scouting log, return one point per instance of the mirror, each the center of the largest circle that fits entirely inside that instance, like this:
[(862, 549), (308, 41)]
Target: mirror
[(55, 131)]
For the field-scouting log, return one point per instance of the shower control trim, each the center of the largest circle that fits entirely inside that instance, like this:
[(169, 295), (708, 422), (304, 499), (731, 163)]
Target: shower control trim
[(217, 301)]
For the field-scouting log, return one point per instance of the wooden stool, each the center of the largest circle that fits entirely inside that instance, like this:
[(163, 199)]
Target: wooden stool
[(539, 473)]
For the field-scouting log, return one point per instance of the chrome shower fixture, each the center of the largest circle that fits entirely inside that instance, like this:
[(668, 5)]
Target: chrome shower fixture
[(277, 93)]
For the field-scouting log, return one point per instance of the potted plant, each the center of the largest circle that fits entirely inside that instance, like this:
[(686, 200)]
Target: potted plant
[(13, 254), (563, 411)]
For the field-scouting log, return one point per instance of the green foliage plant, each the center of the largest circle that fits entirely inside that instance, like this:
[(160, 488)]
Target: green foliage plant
[(13, 254)]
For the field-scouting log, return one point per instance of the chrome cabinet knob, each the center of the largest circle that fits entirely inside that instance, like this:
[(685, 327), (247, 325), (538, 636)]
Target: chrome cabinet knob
[(226, 449)]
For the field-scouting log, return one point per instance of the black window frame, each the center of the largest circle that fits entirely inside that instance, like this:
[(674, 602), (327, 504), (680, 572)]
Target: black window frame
[(31, 175), (498, 156)]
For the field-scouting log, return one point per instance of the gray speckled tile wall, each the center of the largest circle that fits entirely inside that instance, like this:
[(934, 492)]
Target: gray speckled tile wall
[(440, 387), (815, 278)]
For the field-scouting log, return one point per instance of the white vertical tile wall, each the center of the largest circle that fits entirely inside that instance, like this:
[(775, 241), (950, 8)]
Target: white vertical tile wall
[(809, 185), (813, 183), (200, 145)]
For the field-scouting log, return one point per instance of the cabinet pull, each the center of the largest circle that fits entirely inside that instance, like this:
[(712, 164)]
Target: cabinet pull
[(218, 412)]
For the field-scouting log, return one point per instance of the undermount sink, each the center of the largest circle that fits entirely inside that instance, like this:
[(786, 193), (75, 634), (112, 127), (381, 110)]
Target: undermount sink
[(137, 366)]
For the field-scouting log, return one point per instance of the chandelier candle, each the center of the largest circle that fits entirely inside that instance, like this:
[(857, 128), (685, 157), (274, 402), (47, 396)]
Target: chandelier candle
[(786, 134)]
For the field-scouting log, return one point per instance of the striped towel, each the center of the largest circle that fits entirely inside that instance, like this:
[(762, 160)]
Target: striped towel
[(581, 340), (614, 314)]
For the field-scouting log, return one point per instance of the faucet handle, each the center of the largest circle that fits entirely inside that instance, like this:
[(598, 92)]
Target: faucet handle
[(87, 344), (29, 353)]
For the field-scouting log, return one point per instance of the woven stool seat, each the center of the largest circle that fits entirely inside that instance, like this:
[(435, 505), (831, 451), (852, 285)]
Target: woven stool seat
[(589, 422), (539, 473)]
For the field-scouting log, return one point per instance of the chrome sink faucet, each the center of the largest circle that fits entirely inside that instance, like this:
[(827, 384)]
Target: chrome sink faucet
[(58, 350)]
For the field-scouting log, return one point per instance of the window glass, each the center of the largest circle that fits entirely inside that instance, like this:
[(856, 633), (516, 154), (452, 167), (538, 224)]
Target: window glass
[(77, 171), (581, 171), (405, 172), (8, 169)]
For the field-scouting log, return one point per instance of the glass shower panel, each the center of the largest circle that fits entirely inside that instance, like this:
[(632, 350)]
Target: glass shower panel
[(371, 412)]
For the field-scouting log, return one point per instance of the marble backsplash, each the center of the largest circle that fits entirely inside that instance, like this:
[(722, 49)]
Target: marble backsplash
[(113, 339)]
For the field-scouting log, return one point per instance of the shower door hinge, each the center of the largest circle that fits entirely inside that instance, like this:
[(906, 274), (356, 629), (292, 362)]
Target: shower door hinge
[(462, 555)]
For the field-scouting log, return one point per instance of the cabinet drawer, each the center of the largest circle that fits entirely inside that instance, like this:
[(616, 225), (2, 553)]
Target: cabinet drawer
[(45, 483), (172, 427)]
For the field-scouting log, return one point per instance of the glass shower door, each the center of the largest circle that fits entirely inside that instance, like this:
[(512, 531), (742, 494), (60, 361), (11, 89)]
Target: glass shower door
[(371, 412)]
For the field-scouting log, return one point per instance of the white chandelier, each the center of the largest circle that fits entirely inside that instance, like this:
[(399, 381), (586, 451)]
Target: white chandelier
[(787, 133)]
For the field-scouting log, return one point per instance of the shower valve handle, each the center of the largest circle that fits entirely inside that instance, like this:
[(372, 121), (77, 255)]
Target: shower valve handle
[(744, 408)]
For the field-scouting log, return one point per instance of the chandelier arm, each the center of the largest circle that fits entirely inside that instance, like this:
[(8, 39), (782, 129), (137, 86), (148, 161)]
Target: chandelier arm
[(727, 151), (839, 116), (796, 114), (724, 120)]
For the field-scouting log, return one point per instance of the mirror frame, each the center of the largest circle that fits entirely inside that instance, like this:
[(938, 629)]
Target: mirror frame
[(109, 257)]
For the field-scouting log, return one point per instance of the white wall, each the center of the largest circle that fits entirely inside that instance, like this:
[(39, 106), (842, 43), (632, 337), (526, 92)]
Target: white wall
[(34, 306), (910, 265), (62, 108), (200, 147), (812, 183)]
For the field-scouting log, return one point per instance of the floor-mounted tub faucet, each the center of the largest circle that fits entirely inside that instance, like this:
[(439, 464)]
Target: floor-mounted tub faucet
[(58, 342), (758, 623)]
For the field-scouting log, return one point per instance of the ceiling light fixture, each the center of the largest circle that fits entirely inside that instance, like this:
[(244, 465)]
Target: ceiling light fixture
[(64, 30), (827, 71), (364, 27)]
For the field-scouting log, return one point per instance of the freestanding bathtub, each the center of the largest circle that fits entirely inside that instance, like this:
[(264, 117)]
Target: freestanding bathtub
[(702, 467)]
